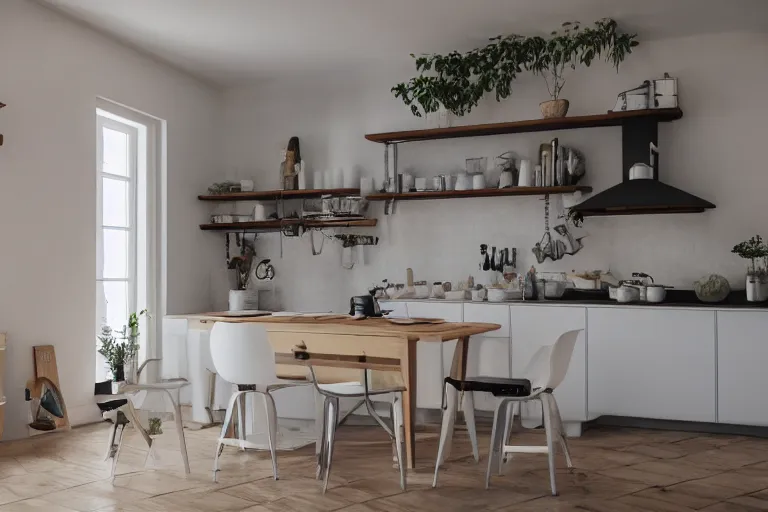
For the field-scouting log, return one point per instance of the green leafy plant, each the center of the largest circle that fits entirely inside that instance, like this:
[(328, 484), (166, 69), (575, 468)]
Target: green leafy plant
[(458, 81), (119, 349), (753, 249)]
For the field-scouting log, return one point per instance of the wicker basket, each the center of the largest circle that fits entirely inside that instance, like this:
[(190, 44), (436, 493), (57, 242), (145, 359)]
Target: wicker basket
[(554, 108)]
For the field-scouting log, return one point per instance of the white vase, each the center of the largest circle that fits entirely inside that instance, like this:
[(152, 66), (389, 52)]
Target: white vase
[(757, 289)]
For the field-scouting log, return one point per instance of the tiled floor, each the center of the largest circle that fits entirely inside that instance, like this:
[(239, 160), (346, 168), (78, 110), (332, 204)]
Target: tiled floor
[(617, 470)]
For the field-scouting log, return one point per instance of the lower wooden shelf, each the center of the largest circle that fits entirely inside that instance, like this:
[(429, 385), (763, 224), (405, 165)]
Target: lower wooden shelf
[(486, 192), (264, 226)]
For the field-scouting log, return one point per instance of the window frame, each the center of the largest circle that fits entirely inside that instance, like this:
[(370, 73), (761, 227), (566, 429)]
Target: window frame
[(132, 133)]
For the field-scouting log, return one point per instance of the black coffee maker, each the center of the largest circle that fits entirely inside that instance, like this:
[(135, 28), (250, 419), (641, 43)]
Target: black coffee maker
[(364, 305)]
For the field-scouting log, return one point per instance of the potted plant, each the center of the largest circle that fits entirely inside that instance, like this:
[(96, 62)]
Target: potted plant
[(457, 81), (121, 351), (569, 47), (756, 251)]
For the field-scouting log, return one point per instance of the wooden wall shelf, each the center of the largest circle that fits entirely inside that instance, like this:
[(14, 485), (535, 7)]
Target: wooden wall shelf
[(487, 192), (266, 195), (532, 125), (265, 226)]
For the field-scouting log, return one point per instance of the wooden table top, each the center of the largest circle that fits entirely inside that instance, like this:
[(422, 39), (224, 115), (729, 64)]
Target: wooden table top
[(345, 324)]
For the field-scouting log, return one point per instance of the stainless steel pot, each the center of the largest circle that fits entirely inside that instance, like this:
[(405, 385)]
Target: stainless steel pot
[(656, 293)]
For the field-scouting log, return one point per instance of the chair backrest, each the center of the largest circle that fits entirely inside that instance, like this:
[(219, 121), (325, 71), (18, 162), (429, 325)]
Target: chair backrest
[(241, 353), (549, 364)]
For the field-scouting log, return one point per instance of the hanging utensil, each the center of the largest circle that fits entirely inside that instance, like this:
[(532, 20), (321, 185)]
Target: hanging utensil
[(487, 261), (544, 249), (575, 243), (493, 259)]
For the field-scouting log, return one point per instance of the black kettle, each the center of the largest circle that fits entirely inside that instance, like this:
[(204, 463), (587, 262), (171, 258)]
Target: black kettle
[(364, 305)]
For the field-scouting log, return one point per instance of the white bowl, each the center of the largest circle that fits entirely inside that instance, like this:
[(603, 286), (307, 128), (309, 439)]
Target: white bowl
[(456, 295), (497, 294)]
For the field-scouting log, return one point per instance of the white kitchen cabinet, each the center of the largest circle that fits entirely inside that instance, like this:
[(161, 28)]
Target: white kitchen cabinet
[(488, 354), (491, 314), (742, 352), (652, 363), (433, 360), (537, 325), (397, 308)]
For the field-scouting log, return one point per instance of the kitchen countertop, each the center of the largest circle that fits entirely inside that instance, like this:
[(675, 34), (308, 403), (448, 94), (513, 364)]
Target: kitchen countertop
[(675, 299)]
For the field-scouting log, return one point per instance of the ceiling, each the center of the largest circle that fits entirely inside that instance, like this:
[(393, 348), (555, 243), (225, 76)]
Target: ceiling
[(226, 42)]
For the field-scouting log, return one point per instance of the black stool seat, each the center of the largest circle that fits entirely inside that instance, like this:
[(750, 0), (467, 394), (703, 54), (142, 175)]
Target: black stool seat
[(497, 386)]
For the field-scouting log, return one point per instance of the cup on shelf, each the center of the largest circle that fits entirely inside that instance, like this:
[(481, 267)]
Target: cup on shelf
[(366, 186), (478, 181), (421, 184), (259, 213), (328, 179), (526, 174)]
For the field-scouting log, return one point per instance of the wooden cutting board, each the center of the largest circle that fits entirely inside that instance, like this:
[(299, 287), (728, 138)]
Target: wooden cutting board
[(45, 366)]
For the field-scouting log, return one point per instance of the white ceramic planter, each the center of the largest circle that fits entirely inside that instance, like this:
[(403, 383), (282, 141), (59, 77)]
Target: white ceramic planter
[(757, 289)]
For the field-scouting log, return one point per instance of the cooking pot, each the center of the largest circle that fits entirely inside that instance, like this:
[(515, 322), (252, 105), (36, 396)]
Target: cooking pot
[(656, 292), (627, 293)]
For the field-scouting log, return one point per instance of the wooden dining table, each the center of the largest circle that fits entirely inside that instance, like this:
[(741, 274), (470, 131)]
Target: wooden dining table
[(378, 344)]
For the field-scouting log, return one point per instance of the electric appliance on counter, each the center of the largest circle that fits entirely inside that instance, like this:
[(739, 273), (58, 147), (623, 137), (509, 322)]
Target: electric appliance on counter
[(365, 305)]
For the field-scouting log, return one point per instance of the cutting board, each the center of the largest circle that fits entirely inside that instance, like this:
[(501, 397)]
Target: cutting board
[(45, 367)]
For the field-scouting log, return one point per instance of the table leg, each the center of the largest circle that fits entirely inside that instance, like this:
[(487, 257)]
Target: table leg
[(459, 365), (408, 369)]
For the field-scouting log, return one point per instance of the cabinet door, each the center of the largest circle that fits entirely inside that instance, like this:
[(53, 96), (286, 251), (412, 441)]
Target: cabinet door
[(487, 357), (742, 353), (535, 326), (488, 354), (657, 363), (396, 307), (433, 360), (489, 313)]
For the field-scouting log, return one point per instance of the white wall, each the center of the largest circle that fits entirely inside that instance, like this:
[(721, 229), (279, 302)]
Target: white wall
[(52, 72), (713, 152)]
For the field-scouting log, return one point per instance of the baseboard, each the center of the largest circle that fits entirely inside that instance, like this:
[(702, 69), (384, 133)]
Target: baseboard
[(684, 426), (84, 414)]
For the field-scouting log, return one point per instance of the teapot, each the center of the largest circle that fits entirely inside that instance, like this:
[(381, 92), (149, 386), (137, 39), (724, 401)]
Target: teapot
[(642, 171)]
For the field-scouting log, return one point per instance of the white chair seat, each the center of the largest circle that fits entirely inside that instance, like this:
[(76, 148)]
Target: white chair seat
[(353, 390)]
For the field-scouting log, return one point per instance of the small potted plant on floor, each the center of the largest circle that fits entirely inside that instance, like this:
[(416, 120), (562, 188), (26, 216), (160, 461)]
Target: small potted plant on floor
[(756, 252)]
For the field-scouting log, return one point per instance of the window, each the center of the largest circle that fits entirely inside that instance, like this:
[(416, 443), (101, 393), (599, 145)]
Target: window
[(124, 251)]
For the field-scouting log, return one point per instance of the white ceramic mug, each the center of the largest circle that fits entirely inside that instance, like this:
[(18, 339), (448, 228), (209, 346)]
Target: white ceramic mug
[(366, 186), (478, 181), (463, 182), (450, 182), (421, 183), (259, 212)]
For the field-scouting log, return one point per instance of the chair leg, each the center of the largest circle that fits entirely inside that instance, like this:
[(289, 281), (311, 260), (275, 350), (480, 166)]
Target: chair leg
[(509, 419), (468, 406), (397, 426), (227, 419), (446, 432), (269, 404), (561, 430), (497, 443), (241, 420), (180, 428), (116, 454), (322, 428), (332, 419), (549, 427)]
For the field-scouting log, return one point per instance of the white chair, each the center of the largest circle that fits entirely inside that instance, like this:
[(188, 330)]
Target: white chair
[(171, 389), (546, 371), (242, 355), (332, 393)]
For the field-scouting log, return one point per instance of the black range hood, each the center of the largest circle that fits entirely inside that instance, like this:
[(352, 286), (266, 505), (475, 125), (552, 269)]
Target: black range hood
[(640, 196)]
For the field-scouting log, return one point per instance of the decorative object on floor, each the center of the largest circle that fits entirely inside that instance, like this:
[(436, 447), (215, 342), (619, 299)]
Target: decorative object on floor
[(48, 411), (712, 288), (291, 157), (457, 81), (756, 251)]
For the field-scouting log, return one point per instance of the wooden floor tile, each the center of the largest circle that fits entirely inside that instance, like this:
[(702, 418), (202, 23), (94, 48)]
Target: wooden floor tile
[(616, 470)]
